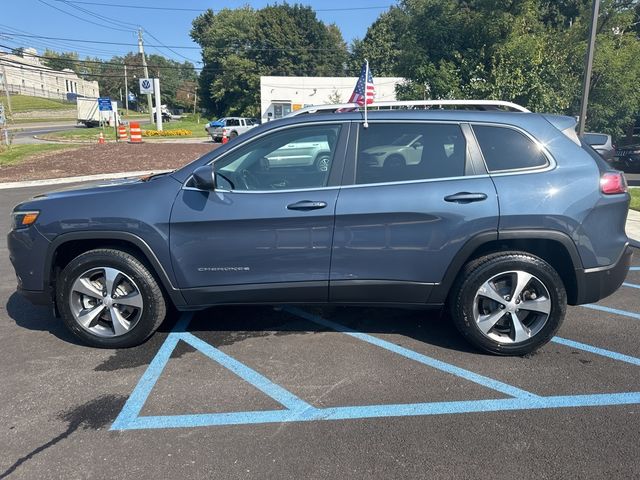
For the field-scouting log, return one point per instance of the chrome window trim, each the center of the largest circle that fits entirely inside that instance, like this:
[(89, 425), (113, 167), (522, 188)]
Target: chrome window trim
[(551, 161), (268, 132), (424, 180)]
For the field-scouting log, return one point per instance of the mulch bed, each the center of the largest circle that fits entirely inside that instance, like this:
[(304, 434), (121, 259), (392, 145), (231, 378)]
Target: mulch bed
[(108, 158)]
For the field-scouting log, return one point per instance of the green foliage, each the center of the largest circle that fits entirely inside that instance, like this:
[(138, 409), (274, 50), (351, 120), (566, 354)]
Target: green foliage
[(527, 51), (61, 60), (238, 46)]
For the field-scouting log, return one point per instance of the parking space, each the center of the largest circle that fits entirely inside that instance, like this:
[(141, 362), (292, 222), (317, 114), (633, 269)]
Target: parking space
[(308, 392)]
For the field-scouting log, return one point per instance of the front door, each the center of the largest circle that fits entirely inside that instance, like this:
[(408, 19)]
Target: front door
[(401, 223), (266, 233)]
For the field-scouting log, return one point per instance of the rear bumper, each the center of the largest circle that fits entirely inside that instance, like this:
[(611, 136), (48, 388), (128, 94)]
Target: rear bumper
[(594, 284)]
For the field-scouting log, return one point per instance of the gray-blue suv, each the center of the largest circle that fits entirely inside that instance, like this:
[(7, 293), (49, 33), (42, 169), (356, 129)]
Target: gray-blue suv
[(502, 217)]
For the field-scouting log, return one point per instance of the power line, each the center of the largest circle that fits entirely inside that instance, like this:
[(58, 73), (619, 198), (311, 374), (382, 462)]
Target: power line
[(184, 9), (81, 18), (186, 47)]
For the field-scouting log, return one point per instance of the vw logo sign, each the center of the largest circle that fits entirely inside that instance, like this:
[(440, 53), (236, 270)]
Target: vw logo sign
[(146, 84)]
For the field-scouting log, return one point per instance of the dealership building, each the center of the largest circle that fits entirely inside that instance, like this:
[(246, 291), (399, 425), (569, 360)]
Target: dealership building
[(26, 74), (282, 95)]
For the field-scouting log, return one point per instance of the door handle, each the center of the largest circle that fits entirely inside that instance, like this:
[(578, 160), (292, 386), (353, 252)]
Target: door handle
[(306, 205), (465, 197)]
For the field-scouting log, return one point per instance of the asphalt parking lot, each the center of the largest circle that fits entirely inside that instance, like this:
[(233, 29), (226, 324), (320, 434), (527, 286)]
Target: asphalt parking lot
[(262, 392)]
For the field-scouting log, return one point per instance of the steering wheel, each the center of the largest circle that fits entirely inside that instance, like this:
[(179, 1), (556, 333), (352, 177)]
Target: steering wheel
[(249, 180)]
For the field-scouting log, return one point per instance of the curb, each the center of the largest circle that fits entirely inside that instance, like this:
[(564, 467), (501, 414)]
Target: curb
[(84, 178)]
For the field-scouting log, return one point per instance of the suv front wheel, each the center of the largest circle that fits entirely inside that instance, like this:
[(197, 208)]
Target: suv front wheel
[(109, 299), (508, 303)]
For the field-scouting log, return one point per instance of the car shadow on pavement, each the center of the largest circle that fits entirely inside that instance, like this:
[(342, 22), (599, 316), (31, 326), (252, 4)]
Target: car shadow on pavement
[(37, 317), (226, 325)]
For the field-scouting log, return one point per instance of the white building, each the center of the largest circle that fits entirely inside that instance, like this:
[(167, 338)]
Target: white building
[(282, 95), (26, 74)]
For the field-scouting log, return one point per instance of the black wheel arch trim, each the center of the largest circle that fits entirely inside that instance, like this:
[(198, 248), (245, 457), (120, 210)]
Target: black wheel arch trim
[(98, 235), (441, 291)]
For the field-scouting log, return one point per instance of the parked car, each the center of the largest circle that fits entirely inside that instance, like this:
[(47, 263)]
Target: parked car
[(602, 143), (505, 219), (231, 127), (311, 151), (628, 158)]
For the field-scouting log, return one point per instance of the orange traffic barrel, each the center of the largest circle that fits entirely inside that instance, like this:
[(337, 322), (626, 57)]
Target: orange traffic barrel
[(135, 133), (122, 132), (225, 139)]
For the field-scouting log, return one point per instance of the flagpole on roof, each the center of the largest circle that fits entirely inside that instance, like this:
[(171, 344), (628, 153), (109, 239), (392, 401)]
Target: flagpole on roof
[(366, 79)]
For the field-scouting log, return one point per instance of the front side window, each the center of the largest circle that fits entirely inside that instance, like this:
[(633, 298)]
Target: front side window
[(507, 149), (296, 158), (394, 152)]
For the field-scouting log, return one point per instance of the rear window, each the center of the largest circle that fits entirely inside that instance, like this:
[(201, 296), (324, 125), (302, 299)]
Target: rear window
[(507, 149), (595, 139)]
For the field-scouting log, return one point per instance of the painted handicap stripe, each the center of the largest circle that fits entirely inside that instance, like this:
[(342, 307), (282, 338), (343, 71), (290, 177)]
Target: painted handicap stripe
[(596, 350), (381, 411), (631, 285), (615, 311), (297, 410), (418, 357), (634, 269)]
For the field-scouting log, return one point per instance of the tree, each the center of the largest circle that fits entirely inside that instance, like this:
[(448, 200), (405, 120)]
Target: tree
[(238, 46), (62, 60), (380, 44)]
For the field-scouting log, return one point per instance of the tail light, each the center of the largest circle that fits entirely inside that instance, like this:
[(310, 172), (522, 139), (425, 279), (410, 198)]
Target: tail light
[(612, 183)]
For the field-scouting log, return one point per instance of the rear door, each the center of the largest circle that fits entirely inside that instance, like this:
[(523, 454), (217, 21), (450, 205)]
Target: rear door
[(399, 224)]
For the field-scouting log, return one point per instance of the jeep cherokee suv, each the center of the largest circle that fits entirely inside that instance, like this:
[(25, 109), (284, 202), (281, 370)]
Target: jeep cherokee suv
[(506, 218)]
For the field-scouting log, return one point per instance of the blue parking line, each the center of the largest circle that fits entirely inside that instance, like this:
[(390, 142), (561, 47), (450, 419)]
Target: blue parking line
[(259, 381), (615, 311), (418, 357), (632, 285), (634, 269), (381, 411), (141, 392), (596, 350)]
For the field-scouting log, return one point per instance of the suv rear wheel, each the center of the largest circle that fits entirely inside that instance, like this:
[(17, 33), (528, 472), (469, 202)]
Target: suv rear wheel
[(508, 303), (109, 299)]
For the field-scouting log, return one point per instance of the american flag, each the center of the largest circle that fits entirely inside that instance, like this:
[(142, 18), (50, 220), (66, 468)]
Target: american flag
[(365, 84)]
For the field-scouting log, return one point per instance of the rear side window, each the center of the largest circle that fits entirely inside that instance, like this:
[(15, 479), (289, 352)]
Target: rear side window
[(507, 149), (396, 152)]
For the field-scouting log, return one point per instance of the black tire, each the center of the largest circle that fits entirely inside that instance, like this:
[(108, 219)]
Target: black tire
[(233, 134), (154, 307), (322, 162), (462, 301)]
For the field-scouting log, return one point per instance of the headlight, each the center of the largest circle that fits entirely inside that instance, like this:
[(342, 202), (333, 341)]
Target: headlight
[(23, 219)]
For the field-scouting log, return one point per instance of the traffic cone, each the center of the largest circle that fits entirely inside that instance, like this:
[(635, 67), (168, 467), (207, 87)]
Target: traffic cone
[(225, 139), (101, 139)]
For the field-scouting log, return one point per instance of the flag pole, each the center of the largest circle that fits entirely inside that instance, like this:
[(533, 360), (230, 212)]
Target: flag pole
[(366, 79)]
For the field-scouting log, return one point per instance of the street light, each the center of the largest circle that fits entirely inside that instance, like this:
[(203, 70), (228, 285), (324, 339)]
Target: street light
[(586, 82)]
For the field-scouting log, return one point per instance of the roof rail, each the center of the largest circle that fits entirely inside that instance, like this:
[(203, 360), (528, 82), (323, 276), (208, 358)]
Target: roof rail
[(410, 104)]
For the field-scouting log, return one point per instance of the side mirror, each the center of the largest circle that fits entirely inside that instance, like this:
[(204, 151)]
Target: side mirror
[(204, 178)]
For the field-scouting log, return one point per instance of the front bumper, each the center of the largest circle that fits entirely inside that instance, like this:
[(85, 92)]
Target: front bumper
[(594, 284), (27, 252)]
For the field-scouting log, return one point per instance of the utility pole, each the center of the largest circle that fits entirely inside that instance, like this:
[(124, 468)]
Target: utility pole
[(126, 90), (6, 90), (586, 81), (195, 101), (146, 72)]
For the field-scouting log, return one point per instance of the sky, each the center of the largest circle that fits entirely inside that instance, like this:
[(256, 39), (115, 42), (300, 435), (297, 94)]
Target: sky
[(170, 28)]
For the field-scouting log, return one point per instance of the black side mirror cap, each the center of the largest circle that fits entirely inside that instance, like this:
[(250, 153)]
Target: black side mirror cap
[(204, 178)]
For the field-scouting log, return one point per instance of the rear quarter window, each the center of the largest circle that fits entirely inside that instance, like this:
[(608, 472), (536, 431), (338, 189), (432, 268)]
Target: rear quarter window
[(507, 149)]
